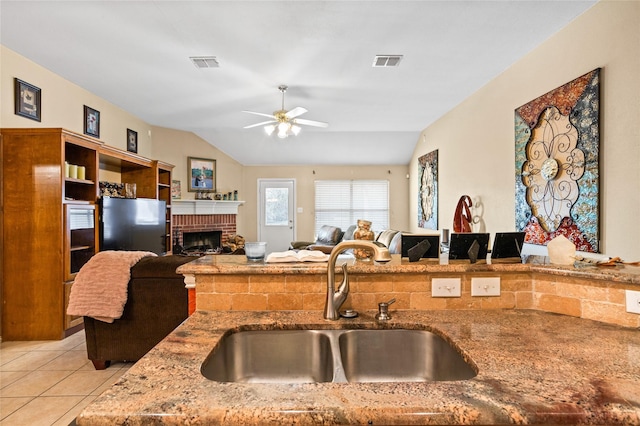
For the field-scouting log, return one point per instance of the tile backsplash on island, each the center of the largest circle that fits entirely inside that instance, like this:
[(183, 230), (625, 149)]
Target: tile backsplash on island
[(597, 296)]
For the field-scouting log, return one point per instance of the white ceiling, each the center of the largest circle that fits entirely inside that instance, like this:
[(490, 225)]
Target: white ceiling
[(135, 54)]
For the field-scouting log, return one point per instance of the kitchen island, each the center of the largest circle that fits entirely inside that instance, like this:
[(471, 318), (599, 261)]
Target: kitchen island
[(533, 367)]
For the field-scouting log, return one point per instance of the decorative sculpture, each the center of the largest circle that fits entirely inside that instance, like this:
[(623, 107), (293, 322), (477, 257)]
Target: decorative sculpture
[(462, 217), (363, 232)]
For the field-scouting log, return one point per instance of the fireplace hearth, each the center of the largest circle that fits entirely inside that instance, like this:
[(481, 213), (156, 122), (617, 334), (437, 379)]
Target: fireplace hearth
[(201, 242)]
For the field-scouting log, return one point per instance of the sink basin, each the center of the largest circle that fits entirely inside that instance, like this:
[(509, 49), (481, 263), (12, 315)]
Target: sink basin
[(400, 356), (308, 356), (274, 356)]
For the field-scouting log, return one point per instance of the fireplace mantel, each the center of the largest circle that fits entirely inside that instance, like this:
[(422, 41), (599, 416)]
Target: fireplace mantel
[(188, 207)]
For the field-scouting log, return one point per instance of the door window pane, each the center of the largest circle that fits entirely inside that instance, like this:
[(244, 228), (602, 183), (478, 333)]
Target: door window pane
[(276, 206)]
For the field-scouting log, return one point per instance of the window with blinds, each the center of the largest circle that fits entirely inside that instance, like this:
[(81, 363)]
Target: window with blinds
[(342, 202)]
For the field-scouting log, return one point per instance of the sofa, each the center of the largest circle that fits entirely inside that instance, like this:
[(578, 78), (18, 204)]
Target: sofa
[(157, 303), (330, 236)]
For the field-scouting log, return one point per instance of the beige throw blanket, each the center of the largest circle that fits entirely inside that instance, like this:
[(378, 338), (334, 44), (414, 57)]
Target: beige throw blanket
[(100, 287)]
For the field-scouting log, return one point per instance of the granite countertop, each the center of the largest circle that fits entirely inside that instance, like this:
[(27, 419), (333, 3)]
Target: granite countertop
[(220, 264), (533, 367)]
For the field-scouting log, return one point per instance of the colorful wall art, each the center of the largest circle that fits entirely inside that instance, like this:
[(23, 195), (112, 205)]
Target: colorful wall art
[(428, 191), (557, 154)]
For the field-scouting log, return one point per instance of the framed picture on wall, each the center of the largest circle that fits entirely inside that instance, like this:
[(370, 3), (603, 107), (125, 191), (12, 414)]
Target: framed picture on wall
[(28, 100), (132, 141), (91, 122), (202, 174), (176, 191)]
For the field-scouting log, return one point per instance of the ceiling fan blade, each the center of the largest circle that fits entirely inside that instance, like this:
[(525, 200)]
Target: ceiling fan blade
[(311, 122), (295, 112), (259, 124), (260, 113)]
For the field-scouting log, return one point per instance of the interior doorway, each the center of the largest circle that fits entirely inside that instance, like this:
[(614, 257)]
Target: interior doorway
[(276, 213)]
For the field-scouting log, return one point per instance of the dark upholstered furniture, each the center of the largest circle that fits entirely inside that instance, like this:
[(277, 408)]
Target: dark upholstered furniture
[(157, 303), (392, 239), (330, 236)]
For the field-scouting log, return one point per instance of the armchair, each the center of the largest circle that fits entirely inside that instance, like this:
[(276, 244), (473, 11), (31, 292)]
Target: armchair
[(330, 236), (327, 238), (157, 303)]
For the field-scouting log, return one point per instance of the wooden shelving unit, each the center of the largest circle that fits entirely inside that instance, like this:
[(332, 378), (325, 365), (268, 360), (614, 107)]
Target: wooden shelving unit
[(50, 222), (164, 172)]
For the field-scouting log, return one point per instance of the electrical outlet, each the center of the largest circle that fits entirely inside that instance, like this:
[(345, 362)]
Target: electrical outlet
[(633, 301), (485, 286), (445, 287)]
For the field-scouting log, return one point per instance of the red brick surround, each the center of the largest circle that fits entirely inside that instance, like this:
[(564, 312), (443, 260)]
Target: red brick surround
[(202, 223)]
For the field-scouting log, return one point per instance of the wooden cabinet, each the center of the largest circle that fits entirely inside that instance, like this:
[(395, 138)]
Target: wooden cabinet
[(35, 193), (164, 193), (50, 222), (80, 244)]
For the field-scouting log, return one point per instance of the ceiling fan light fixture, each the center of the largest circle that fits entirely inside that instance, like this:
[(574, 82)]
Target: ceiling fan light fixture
[(283, 127), (269, 129), (285, 122)]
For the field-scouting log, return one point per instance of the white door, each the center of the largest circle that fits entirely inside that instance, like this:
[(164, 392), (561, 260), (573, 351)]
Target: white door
[(276, 201)]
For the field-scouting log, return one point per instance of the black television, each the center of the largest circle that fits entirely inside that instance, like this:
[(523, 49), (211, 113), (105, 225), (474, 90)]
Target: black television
[(469, 245), (507, 245), (133, 224), (411, 240)]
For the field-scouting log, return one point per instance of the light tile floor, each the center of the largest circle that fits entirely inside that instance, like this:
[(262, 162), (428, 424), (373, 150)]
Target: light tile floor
[(50, 382)]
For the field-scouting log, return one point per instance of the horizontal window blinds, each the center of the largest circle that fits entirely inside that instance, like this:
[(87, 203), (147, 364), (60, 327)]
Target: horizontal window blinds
[(342, 202)]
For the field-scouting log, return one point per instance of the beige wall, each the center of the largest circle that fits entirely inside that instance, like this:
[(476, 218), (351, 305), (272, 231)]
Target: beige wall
[(176, 146), (305, 178), (475, 141), (63, 104)]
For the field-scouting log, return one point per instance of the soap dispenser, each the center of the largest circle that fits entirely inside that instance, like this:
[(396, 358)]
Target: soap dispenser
[(383, 310)]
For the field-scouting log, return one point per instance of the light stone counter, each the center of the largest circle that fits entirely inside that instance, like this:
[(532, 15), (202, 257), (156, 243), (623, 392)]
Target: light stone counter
[(534, 367)]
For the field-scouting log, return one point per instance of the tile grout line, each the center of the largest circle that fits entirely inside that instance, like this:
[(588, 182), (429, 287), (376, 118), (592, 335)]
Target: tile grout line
[(42, 347)]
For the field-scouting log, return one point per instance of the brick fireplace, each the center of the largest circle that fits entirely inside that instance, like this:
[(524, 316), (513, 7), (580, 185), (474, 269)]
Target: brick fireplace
[(204, 216), (183, 223)]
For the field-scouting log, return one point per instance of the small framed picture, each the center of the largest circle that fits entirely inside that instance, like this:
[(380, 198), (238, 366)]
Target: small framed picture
[(202, 174), (91, 122), (28, 100), (132, 141), (176, 191)]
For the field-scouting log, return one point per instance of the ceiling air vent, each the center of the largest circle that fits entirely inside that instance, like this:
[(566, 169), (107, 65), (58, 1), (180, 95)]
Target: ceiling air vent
[(205, 61), (387, 60)]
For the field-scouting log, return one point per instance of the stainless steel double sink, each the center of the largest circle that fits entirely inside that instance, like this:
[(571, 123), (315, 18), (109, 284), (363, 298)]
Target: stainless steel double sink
[(308, 356)]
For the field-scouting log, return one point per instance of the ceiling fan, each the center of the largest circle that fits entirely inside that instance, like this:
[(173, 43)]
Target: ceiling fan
[(286, 122)]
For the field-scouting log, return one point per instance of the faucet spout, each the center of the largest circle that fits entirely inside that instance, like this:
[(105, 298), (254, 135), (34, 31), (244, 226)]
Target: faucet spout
[(335, 299)]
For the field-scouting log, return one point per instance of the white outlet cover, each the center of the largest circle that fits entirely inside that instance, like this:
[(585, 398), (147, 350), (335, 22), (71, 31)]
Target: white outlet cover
[(485, 286), (633, 301), (445, 287)]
